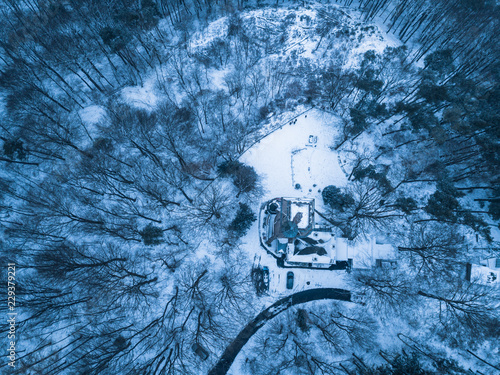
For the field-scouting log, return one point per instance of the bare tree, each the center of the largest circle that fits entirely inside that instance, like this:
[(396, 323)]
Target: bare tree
[(302, 340), (368, 208), (434, 247), (464, 307), (386, 289), (211, 210)]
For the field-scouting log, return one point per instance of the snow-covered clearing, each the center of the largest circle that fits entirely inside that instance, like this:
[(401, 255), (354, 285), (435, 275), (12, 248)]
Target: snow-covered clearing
[(287, 157), (211, 33)]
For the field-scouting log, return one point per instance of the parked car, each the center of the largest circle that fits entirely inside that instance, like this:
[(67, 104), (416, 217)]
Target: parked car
[(265, 277), (289, 280)]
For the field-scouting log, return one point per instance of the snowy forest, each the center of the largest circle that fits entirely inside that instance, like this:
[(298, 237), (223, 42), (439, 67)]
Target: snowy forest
[(139, 139)]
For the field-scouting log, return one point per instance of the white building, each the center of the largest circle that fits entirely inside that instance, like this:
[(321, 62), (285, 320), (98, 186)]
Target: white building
[(487, 272), (287, 230)]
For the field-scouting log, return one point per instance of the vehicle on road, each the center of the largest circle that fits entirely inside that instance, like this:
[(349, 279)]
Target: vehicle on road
[(289, 280)]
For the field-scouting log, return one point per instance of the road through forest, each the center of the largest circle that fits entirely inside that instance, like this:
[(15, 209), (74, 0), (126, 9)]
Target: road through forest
[(227, 358)]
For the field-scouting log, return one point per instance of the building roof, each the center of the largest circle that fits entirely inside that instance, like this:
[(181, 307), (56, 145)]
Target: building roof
[(299, 213)]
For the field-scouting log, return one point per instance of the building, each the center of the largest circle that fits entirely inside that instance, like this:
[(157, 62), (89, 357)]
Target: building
[(485, 271), (288, 231)]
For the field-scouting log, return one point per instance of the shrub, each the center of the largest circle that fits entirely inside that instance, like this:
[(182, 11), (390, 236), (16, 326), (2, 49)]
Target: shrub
[(358, 118), (376, 110), (263, 112), (14, 149), (476, 223), (152, 235), (245, 179), (120, 342), (115, 38), (371, 85), (443, 203), (150, 13), (235, 26), (442, 206), (433, 93), (303, 320), (103, 145), (370, 172), (404, 364), (423, 119), (494, 209), (228, 167), (439, 61), (294, 90), (244, 176)]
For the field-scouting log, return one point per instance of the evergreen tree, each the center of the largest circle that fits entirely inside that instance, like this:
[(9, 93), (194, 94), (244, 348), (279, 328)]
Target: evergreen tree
[(245, 179), (228, 168), (406, 204), (244, 176), (243, 220), (403, 364), (494, 209), (152, 235), (14, 149), (443, 202), (333, 197)]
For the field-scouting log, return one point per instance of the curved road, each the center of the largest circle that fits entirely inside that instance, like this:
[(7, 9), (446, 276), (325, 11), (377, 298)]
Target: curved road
[(227, 358)]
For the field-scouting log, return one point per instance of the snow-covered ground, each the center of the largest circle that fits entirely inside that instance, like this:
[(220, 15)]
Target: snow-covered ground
[(286, 158), (145, 96), (91, 116), (304, 279), (215, 30)]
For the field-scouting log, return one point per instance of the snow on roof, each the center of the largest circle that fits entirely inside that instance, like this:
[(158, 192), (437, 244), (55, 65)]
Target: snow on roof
[(310, 258), (364, 253), (383, 251), (341, 249), (311, 251), (493, 263), (485, 275), (300, 208)]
